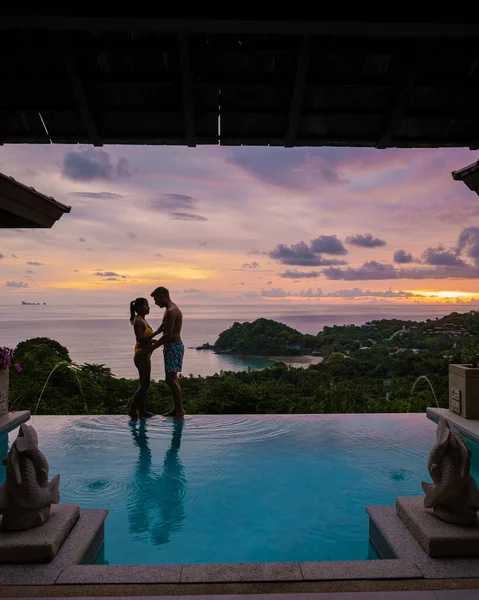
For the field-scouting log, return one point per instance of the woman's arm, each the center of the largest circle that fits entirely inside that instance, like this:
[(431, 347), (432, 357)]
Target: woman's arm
[(141, 338)]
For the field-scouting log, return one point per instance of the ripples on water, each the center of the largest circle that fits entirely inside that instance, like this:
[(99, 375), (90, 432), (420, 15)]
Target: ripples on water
[(237, 488)]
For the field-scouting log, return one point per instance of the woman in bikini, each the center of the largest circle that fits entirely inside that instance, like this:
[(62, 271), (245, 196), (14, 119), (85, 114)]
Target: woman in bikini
[(144, 334)]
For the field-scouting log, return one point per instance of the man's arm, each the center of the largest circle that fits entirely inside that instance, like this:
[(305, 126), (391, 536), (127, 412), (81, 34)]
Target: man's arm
[(168, 324)]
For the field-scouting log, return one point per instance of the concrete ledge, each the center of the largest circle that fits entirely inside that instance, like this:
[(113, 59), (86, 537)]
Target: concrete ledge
[(77, 545), (387, 529), (468, 427), (13, 419), (39, 544), (437, 538), (123, 574), (359, 569), (241, 572)]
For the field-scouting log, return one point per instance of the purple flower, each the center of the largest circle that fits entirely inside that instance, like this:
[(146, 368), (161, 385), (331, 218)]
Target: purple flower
[(18, 367), (6, 355)]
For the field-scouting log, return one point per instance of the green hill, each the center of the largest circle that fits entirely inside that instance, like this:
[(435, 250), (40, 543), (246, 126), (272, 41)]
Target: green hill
[(263, 337)]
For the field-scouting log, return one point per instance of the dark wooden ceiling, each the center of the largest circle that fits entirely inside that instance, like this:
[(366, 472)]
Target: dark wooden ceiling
[(148, 80)]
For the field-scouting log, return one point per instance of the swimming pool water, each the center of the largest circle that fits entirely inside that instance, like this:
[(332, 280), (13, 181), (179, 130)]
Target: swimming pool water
[(222, 489)]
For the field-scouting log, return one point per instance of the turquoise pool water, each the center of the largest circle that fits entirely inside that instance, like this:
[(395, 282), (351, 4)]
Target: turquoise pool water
[(221, 489)]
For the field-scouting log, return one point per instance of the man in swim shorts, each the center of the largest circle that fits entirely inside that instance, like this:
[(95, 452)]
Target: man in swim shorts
[(173, 348)]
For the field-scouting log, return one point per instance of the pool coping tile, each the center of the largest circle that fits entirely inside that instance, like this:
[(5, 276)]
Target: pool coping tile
[(13, 419), (360, 569), (468, 427), (241, 572), (87, 531), (385, 522), (119, 574)]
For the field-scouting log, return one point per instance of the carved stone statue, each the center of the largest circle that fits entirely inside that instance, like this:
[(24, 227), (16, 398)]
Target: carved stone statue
[(26, 495), (454, 495)]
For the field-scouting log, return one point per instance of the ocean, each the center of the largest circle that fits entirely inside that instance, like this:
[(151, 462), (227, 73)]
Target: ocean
[(103, 334)]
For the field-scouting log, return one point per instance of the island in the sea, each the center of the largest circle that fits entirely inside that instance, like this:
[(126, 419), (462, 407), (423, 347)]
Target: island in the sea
[(265, 337), (32, 303), (268, 338)]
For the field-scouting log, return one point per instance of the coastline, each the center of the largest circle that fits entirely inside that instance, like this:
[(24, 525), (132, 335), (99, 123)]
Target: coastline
[(303, 361)]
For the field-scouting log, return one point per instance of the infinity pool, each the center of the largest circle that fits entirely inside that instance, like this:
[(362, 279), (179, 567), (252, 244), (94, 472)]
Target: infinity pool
[(222, 489)]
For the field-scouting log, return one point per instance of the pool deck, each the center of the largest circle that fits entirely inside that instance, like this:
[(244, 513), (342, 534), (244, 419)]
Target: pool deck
[(352, 594), (468, 427), (13, 419)]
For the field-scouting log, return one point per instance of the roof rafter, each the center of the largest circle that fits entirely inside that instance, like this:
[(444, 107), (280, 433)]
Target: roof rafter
[(261, 26), (187, 89), (78, 91), (298, 90), (404, 94)]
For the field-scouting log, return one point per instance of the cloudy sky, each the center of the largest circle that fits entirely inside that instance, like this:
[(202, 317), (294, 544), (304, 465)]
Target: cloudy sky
[(245, 224)]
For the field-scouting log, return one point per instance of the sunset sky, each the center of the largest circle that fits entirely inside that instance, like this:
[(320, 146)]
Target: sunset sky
[(245, 225)]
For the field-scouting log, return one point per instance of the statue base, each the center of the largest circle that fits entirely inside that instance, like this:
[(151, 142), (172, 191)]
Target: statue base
[(21, 519), (39, 544), (438, 538)]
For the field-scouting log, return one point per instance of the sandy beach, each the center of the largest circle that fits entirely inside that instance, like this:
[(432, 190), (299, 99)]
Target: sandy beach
[(298, 361)]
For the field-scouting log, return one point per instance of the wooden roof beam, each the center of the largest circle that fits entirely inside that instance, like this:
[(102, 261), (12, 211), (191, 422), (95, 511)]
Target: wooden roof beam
[(403, 97), (298, 90), (446, 29), (78, 91), (187, 89)]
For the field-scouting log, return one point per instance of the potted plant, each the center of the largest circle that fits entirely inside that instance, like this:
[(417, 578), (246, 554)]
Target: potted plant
[(464, 384), (6, 362)]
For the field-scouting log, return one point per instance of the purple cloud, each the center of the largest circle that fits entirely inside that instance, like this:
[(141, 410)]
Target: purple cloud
[(359, 293), (97, 195), (375, 271), (328, 244), (441, 257), (175, 202), (16, 284), (181, 216), (88, 165), (469, 242), (252, 265), (403, 257), (365, 241), (288, 167), (34, 263), (370, 270), (275, 293), (295, 274), (109, 274), (302, 255)]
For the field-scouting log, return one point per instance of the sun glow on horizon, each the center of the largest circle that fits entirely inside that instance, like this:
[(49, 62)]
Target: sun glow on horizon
[(446, 294)]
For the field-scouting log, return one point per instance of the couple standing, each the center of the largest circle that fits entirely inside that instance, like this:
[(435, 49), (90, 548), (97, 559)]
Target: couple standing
[(173, 351)]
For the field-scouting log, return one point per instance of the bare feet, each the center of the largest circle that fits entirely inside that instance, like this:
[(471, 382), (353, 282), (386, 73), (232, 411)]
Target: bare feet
[(146, 414), (176, 414)]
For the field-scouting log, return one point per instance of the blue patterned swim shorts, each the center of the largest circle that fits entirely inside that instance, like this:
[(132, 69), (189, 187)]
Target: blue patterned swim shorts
[(173, 353)]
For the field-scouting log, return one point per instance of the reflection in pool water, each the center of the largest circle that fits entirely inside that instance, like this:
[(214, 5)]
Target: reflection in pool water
[(155, 500), (237, 488)]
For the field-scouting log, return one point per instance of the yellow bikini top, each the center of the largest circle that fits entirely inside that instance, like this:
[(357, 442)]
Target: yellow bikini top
[(148, 331)]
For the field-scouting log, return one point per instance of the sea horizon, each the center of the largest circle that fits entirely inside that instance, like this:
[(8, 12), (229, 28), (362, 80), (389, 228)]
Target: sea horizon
[(101, 333)]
